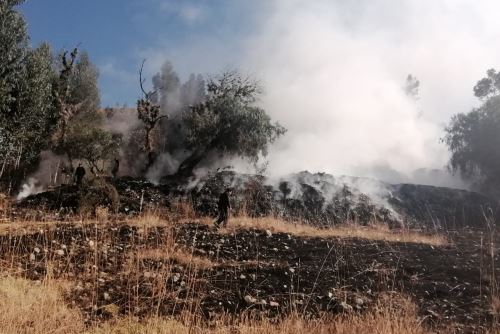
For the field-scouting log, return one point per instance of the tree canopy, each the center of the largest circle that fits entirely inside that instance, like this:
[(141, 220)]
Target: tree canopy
[(27, 113), (474, 139), (228, 122)]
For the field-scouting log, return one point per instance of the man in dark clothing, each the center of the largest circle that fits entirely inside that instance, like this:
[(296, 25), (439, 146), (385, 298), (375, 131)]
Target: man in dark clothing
[(116, 167), (79, 174), (223, 206)]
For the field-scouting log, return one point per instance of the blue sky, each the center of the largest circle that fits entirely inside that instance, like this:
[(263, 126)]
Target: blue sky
[(118, 34)]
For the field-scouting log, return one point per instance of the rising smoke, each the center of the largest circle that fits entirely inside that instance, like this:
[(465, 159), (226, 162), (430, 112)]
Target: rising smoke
[(334, 72)]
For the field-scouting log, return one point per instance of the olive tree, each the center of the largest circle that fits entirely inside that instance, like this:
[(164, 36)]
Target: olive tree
[(228, 122)]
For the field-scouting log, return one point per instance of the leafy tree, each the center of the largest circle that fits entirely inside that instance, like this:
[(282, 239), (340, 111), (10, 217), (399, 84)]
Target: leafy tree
[(77, 96), (35, 113), (14, 41), (488, 86), (474, 140), (27, 113), (77, 101), (94, 145), (228, 122)]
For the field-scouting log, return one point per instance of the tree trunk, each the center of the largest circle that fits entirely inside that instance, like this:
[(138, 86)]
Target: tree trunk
[(187, 166)]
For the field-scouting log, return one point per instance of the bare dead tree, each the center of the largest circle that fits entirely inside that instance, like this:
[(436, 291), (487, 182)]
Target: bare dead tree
[(66, 109), (149, 113)]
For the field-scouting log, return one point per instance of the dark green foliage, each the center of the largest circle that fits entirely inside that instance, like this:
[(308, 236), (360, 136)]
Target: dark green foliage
[(92, 144), (474, 138), (35, 115), (474, 141), (228, 122), (27, 113), (488, 86), (80, 134), (14, 41), (84, 88)]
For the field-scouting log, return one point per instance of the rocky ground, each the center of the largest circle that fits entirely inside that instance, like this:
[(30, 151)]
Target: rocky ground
[(117, 268)]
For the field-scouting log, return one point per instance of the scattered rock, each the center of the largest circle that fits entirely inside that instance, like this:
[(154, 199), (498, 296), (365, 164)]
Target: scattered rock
[(250, 300), (346, 307)]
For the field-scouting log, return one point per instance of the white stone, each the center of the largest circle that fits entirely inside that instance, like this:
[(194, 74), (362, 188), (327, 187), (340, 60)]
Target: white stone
[(250, 300), (346, 306)]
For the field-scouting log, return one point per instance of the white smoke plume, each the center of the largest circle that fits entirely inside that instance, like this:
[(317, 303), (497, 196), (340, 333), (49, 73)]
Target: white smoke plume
[(333, 73), (53, 170)]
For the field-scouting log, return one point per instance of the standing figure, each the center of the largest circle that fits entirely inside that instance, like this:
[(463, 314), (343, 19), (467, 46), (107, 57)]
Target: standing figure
[(116, 167), (223, 206), (79, 174)]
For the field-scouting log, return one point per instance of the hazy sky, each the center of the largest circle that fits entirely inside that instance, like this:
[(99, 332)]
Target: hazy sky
[(333, 71)]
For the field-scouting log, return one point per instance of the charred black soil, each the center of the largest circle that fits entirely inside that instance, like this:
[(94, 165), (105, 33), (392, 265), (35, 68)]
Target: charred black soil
[(270, 274)]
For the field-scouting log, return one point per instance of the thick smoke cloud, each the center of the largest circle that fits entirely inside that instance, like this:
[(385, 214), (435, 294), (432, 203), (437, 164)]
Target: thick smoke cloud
[(334, 72)]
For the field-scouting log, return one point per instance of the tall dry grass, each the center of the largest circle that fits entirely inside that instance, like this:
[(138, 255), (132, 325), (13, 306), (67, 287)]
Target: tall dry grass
[(26, 307), (380, 232), (384, 320)]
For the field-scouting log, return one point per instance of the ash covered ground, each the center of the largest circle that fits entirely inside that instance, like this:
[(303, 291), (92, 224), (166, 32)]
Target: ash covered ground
[(270, 274)]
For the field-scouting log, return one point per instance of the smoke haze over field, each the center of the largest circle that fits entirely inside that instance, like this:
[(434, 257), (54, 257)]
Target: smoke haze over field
[(333, 72)]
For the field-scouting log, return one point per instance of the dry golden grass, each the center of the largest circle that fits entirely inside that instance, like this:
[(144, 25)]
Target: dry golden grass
[(388, 318), (183, 209), (179, 255), (29, 308), (4, 203), (22, 227), (149, 220), (372, 232)]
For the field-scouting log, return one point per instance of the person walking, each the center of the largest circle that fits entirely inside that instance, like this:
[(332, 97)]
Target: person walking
[(79, 174), (223, 207), (116, 168)]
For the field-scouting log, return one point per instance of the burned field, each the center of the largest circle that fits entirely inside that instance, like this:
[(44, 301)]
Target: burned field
[(159, 268)]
